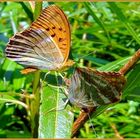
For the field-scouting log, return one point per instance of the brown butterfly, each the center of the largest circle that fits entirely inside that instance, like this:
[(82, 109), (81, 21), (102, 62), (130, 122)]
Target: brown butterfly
[(92, 88), (45, 44)]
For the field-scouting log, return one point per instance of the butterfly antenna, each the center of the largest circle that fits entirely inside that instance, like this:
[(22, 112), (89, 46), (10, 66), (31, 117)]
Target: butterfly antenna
[(61, 76), (65, 91), (93, 128)]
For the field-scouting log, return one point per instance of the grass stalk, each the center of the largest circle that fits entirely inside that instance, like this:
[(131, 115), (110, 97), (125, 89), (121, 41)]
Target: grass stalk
[(35, 104)]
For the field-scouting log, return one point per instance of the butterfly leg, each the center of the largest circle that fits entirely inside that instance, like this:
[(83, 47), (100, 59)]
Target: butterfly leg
[(46, 75)]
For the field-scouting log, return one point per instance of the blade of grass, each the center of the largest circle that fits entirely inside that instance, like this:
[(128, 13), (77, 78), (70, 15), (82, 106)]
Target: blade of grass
[(27, 11), (89, 8), (133, 82), (55, 119), (38, 8), (114, 7), (35, 104)]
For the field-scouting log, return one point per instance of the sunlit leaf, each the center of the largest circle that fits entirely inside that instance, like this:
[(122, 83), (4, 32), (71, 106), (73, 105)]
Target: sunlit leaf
[(55, 119)]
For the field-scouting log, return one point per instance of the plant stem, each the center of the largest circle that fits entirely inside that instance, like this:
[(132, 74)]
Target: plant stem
[(15, 102), (117, 134), (81, 120), (75, 24), (29, 96), (130, 63), (35, 104)]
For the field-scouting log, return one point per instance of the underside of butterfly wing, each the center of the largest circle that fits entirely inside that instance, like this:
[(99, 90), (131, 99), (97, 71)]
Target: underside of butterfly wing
[(45, 44), (91, 88)]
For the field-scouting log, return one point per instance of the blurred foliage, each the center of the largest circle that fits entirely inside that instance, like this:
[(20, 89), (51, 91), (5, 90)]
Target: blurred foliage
[(104, 35)]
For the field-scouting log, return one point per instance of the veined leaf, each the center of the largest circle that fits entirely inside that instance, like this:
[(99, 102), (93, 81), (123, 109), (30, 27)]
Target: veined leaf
[(133, 84), (55, 120)]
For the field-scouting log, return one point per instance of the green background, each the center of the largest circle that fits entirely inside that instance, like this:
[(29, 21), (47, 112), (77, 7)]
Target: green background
[(104, 36)]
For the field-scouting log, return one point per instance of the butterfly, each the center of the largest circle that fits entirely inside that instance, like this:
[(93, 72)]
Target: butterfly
[(45, 44), (91, 88)]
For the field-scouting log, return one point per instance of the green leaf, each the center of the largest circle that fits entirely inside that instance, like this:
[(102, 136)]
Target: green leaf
[(132, 87), (55, 120), (97, 61), (8, 67), (115, 65), (18, 134)]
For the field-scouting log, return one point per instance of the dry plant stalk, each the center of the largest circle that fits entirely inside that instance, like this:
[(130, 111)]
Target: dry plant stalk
[(130, 63), (116, 131), (84, 116)]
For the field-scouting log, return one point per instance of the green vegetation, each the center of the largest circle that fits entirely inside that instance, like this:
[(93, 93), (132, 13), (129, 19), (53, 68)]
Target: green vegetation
[(104, 36)]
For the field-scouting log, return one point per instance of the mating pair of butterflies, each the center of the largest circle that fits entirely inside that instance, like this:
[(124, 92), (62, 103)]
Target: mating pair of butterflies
[(46, 45)]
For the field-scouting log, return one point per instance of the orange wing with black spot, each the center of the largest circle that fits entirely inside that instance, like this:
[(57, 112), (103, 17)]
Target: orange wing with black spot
[(45, 44)]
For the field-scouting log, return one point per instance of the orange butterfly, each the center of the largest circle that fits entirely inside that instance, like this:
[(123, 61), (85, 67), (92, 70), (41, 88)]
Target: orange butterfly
[(45, 44)]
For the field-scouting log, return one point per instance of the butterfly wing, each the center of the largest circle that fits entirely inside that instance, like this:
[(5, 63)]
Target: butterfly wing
[(45, 45), (91, 88)]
